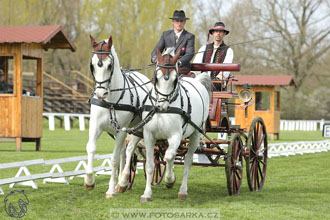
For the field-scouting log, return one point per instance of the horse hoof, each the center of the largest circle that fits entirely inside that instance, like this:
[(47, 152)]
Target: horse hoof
[(89, 187), (182, 196), (109, 196), (145, 199), (170, 185), (120, 189)]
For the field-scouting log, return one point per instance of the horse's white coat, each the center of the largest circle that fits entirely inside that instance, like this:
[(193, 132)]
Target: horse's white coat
[(100, 117), (169, 126)]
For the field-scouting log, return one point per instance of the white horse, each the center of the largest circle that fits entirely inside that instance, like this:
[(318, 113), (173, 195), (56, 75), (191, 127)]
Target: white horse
[(170, 95), (117, 97)]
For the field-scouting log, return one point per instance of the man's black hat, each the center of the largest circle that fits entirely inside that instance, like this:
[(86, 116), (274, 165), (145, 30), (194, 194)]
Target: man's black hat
[(219, 26), (179, 15)]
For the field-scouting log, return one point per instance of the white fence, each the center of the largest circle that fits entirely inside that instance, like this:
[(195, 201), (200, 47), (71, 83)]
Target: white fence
[(286, 149), (302, 125), (66, 117), (285, 125), (56, 173)]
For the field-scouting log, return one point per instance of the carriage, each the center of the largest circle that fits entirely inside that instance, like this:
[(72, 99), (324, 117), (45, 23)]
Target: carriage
[(120, 97), (239, 146)]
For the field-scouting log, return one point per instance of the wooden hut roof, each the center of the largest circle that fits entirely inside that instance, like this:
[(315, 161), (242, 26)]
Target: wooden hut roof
[(46, 36), (265, 80)]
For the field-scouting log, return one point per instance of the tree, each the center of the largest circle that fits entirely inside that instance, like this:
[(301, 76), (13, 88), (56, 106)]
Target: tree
[(136, 26), (304, 29)]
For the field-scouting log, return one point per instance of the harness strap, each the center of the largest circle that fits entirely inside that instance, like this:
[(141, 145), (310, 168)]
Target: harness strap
[(171, 110), (135, 129), (186, 116), (117, 106)]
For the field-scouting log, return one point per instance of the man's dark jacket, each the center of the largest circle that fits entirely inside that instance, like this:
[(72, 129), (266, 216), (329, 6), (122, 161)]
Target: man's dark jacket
[(186, 43)]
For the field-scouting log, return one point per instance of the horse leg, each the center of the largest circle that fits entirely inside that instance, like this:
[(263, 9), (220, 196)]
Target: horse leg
[(122, 160), (173, 144), (94, 133), (188, 159), (149, 142), (115, 162), (123, 180)]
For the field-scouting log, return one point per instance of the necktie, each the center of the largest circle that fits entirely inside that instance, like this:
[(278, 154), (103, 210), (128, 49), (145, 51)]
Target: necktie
[(176, 38)]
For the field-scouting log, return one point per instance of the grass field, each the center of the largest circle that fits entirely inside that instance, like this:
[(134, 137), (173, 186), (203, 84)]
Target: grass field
[(297, 187)]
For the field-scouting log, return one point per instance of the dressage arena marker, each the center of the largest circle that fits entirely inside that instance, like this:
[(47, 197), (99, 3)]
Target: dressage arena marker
[(57, 167), (106, 163), (294, 148), (27, 180), (275, 150), (59, 177)]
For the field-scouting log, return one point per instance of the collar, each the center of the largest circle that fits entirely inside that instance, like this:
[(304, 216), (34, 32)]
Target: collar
[(179, 33), (221, 45)]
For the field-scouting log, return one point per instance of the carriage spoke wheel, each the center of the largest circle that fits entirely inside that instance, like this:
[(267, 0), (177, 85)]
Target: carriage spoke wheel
[(213, 158), (234, 165), (159, 171), (133, 171), (256, 161)]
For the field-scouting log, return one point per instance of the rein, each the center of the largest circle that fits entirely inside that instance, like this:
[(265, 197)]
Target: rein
[(239, 43)]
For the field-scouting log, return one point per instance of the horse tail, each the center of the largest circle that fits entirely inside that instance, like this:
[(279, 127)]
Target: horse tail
[(206, 81)]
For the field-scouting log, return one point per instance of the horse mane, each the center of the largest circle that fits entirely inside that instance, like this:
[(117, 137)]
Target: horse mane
[(114, 54), (170, 51), (206, 81)]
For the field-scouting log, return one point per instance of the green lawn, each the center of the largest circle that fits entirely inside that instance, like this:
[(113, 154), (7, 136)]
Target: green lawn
[(297, 187)]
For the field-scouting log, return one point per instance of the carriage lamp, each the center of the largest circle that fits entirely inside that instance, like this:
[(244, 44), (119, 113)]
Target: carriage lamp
[(246, 94)]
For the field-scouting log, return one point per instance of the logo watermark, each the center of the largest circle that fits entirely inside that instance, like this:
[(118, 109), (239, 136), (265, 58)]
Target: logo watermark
[(174, 213), (16, 204)]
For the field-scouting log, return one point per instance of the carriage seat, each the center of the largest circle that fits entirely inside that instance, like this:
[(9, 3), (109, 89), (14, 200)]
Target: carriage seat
[(219, 96)]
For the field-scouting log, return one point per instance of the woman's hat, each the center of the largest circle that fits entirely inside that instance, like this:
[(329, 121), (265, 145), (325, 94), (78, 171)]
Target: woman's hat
[(219, 26), (179, 15)]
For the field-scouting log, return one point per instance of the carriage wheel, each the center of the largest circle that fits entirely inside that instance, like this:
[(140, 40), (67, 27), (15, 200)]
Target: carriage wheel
[(159, 171), (256, 160), (133, 171), (214, 159), (234, 164)]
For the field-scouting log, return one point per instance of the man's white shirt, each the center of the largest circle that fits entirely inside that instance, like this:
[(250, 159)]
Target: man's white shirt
[(228, 59), (178, 34)]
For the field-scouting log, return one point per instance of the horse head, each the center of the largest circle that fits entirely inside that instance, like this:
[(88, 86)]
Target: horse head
[(166, 78), (102, 66)]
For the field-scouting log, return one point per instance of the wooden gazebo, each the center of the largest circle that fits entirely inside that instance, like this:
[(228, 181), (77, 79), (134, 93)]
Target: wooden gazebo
[(20, 110), (266, 100)]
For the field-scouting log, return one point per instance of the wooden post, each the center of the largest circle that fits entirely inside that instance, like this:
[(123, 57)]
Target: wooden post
[(18, 92), (18, 144), (39, 78), (39, 93), (38, 144)]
